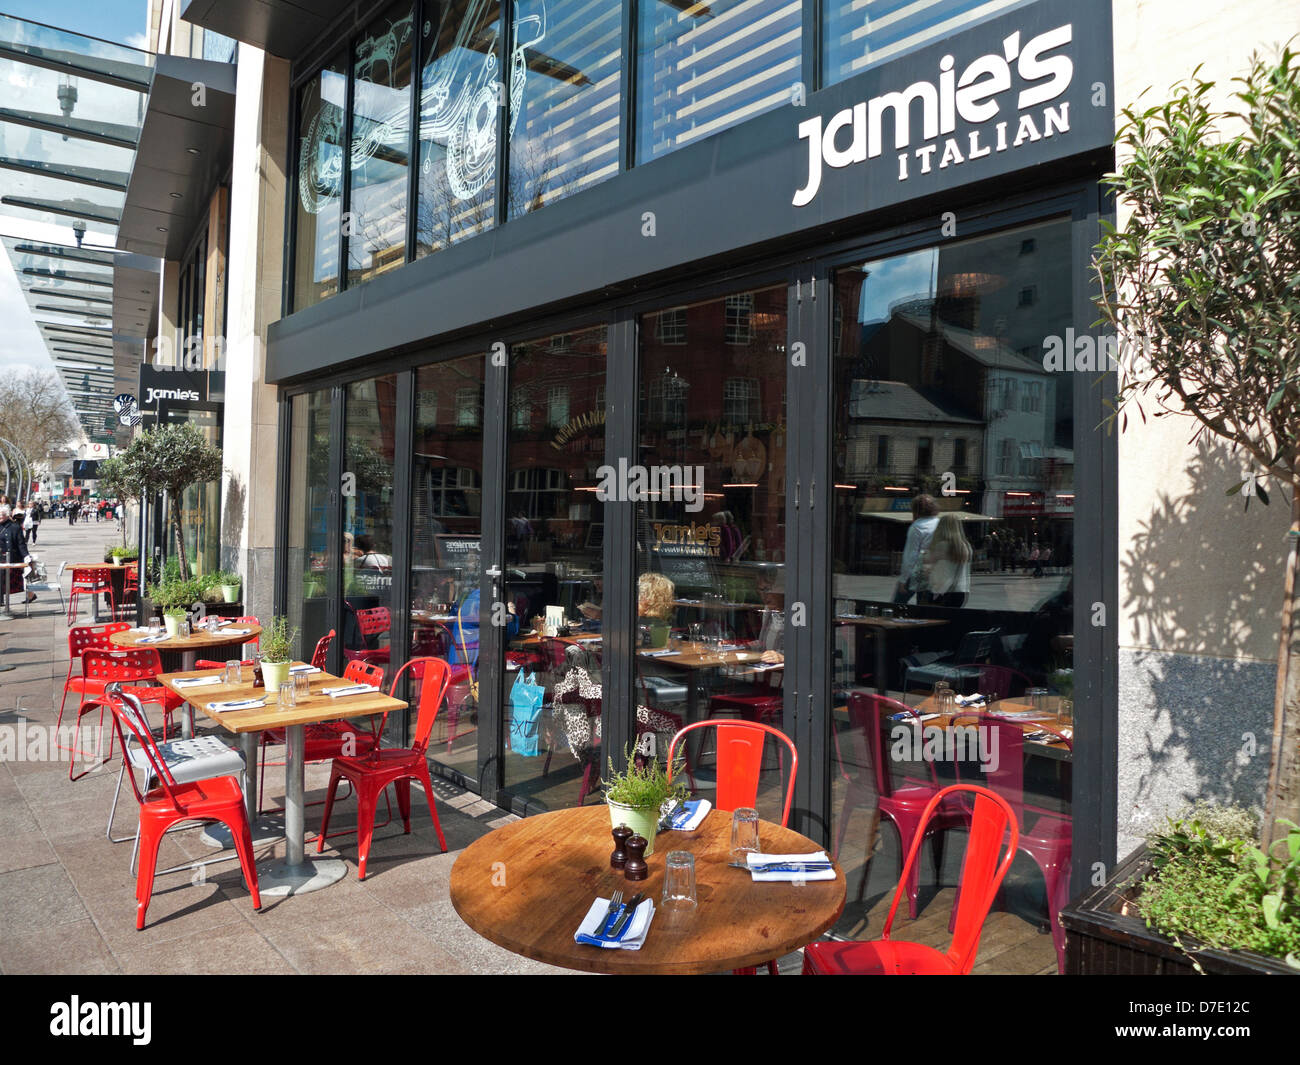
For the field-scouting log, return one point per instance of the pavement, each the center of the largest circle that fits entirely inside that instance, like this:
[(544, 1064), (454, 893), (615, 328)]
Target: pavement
[(67, 894)]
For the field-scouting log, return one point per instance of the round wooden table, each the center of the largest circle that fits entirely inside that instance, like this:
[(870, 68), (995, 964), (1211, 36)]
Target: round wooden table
[(528, 885)]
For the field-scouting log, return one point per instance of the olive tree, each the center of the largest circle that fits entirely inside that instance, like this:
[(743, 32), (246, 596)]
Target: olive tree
[(1201, 284), (168, 458)]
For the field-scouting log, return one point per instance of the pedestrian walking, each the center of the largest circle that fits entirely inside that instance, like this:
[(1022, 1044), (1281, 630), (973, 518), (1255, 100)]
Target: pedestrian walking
[(13, 548), (31, 523)]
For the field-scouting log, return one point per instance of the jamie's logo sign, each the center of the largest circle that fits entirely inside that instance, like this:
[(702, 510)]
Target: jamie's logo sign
[(170, 393), (982, 95)]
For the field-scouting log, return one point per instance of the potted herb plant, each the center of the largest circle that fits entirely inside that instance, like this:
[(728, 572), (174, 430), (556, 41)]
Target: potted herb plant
[(636, 796), (1200, 896), (229, 586), (172, 618), (276, 646)]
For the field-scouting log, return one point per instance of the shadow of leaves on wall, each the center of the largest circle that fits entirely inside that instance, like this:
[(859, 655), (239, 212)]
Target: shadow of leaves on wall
[(1202, 586)]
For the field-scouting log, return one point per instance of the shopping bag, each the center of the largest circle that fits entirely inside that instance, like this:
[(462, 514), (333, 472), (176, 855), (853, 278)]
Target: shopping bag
[(526, 699)]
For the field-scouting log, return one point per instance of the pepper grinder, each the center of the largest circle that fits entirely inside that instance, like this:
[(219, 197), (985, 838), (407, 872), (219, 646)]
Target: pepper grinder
[(619, 857), (635, 867)]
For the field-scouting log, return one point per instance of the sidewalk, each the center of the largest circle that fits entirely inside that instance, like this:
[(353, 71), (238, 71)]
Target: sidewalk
[(67, 897)]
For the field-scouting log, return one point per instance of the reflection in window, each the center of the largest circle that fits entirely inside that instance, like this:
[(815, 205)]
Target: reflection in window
[(320, 185), (857, 34), (381, 126), (953, 567), (564, 99), (459, 84), (704, 67)]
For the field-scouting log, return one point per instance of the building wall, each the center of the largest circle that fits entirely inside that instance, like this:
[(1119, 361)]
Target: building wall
[(1200, 579), (257, 192)]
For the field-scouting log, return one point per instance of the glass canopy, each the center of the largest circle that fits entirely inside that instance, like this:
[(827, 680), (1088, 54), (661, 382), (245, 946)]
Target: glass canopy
[(69, 125)]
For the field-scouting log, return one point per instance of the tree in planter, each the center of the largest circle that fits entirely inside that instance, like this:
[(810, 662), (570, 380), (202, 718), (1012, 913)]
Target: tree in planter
[(116, 483), (1202, 285), (170, 458)]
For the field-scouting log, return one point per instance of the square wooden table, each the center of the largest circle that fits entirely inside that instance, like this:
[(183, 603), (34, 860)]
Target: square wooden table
[(295, 874)]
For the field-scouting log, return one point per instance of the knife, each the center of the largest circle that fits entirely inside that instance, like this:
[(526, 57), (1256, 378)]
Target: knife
[(788, 867), (622, 922)]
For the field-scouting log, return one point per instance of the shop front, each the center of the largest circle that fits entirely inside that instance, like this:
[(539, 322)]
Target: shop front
[(659, 419)]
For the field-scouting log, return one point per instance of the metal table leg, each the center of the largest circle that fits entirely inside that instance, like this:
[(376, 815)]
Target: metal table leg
[(295, 875), (266, 830)]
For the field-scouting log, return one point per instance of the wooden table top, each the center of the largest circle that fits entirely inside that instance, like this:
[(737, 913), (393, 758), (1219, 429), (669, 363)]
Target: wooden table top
[(888, 623), (971, 716), (198, 640), (555, 865), (316, 707), (102, 565), (690, 655)]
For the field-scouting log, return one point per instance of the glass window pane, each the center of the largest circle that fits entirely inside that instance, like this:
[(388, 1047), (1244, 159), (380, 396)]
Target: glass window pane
[(381, 131), (857, 34), (952, 559), (710, 581), (320, 185), (446, 509), (704, 67), (555, 557), (458, 122), (308, 519), (370, 415), (564, 99)]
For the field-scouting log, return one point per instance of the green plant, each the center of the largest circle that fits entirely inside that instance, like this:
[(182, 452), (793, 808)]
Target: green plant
[(168, 458), (1201, 284), (1213, 885), (277, 640), (645, 783), (175, 612), (228, 577)]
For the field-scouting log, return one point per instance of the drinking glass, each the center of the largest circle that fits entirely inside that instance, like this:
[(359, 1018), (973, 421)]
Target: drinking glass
[(234, 671), (887, 612), (155, 627), (1037, 699), (183, 630), (696, 631), (744, 833), (1065, 712), (301, 686), (679, 881), (286, 695)]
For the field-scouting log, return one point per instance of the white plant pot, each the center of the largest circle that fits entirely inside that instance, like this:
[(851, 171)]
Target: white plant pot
[(273, 675), (642, 820), (172, 623), (230, 592)]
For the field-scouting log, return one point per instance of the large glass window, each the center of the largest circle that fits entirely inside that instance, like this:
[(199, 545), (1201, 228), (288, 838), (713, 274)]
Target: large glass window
[(459, 105), (857, 34), (381, 130), (319, 207), (710, 539), (446, 525), (308, 564), (953, 569), (554, 560), (704, 67), (367, 496), (564, 99)]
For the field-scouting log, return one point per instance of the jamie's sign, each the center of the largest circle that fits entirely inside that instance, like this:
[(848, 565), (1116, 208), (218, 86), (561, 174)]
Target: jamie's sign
[(995, 103)]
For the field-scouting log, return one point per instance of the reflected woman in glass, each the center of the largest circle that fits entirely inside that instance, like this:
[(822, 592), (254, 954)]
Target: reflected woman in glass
[(947, 561)]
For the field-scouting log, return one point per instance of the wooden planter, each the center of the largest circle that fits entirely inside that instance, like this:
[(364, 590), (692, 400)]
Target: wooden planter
[(1106, 936)]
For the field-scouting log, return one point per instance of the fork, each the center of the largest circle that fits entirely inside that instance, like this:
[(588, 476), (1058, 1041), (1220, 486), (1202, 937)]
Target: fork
[(614, 905)]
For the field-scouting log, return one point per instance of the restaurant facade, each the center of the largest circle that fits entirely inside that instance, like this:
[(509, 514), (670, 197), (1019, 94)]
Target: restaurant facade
[(659, 319)]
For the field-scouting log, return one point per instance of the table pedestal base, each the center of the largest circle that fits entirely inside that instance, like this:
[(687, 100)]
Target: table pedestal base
[(266, 830), (278, 879)]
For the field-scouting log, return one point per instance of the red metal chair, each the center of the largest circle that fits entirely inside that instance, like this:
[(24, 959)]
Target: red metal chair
[(993, 830), (332, 739), (1049, 841), (130, 594), (374, 621), (215, 799), (80, 639), (322, 652), (371, 774), (207, 663), (998, 681), (91, 582), (870, 783), (739, 764), (134, 666)]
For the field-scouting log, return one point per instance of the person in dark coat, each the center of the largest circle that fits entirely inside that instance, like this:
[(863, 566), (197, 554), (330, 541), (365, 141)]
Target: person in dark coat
[(13, 548)]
